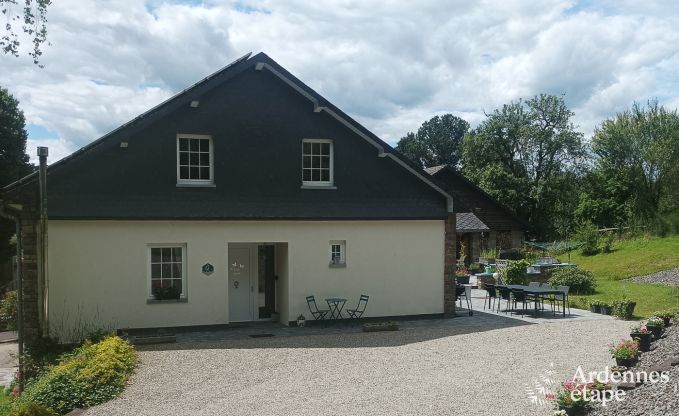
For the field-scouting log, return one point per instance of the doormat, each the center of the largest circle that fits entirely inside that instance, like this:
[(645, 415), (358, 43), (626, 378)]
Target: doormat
[(261, 335)]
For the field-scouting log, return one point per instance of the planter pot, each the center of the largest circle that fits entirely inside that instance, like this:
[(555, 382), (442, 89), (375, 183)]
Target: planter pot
[(606, 310), (656, 330), (630, 308), (573, 410), (462, 280), (618, 370), (625, 362), (595, 308), (667, 321), (644, 340)]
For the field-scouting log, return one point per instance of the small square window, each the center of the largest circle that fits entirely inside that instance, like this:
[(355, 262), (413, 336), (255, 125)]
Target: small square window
[(317, 162), (194, 160), (337, 253)]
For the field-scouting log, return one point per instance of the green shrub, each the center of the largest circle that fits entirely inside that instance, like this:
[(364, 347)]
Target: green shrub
[(606, 243), (622, 309), (41, 354), (31, 409), (515, 273), (588, 235), (8, 311), (579, 281), (92, 374)]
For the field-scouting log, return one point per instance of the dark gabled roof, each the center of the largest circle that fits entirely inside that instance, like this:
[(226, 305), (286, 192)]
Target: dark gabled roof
[(436, 171), (261, 62), (466, 222)]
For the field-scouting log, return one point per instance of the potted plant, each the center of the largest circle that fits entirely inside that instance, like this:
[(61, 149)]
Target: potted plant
[(571, 400), (301, 321), (488, 256), (605, 308), (626, 352), (595, 305), (655, 325), (643, 335), (666, 316), (623, 308), (167, 293), (462, 276)]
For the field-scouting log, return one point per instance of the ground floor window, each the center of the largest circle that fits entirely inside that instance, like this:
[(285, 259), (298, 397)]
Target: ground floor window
[(337, 252), (167, 271)]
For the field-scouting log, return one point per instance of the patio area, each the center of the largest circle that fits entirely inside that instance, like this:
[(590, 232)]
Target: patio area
[(465, 365)]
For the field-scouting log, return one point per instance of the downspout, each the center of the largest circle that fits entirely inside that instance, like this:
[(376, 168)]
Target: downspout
[(20, 289), (42, 243)]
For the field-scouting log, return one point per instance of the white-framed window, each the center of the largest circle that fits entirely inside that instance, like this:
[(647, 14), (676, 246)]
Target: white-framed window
[(195, 159), (317, 162), (166, 268), (338, 252)]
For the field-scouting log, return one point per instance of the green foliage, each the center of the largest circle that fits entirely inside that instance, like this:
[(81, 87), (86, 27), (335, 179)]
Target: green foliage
[(167, 293), (515, 273), (92, 374), (14, 162), (579, 281), (666, 314), (635, 169), (8, 311), (489, 253), (606, 242), (622, 308), (33, 18), (31, 409), (40, 354), (437, 141), (588, 235), (526, 155)]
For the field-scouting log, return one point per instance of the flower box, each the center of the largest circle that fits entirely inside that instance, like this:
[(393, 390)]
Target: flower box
[(380, 326)]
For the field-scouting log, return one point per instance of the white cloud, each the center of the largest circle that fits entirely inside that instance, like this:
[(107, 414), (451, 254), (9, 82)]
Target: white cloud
[(390, 64)]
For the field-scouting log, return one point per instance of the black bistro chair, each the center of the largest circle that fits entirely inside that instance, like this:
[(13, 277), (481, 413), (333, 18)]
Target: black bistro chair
[(491, 295), (358, 312), (318, 314), (506, 295), (461, 292), (518, 295)]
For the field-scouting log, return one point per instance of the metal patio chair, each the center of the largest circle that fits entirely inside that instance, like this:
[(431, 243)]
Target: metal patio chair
[(358, 312), (318, 314), (491, 296), (462, 292)]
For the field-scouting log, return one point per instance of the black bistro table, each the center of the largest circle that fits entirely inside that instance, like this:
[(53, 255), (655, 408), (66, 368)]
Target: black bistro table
[(336, 305), (539, 292)]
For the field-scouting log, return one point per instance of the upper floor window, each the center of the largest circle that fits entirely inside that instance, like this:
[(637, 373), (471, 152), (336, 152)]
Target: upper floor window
[(317, 164), (194, 159)]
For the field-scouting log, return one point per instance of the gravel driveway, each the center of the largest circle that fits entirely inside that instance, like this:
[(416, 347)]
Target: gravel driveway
[(419, 371)]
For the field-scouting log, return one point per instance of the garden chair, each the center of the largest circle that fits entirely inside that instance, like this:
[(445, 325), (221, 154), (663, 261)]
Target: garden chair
[(518, 295), (558, 299), (491, 295), (461, 292), (358, 312), (506, 295), (318, 314)]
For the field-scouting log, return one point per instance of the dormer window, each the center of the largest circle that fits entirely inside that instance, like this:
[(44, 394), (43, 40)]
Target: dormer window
[(194, 160), (317, 162)]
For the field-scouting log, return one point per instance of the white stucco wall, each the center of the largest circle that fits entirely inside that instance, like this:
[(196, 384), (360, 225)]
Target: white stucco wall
[(98, 269)]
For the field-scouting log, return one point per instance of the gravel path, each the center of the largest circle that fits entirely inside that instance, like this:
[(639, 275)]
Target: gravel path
[(665, 277), (658, 399), (419, 371)]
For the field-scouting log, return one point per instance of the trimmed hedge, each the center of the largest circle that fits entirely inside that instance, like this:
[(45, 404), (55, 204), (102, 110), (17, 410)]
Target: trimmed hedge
[(579, 281), (91, 375)]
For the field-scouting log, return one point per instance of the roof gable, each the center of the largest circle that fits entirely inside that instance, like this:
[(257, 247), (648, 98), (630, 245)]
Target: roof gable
[(288, 105)]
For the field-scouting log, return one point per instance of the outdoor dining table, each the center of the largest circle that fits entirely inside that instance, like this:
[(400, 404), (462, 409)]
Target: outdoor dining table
[(538, 292), (335, 305)]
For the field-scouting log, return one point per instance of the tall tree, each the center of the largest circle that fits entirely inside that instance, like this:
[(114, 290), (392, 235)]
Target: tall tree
[(526, 154), (636, 165), (13, 158), (437, 141), (29, 17)]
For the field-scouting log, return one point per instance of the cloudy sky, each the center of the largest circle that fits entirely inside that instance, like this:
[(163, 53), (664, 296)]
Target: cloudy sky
[(389, 64)]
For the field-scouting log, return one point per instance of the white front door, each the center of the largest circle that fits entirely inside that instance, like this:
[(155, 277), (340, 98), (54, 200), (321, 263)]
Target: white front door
[(240, 285)]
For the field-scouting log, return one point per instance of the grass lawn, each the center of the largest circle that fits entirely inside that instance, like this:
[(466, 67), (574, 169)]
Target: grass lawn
[(631, 258)]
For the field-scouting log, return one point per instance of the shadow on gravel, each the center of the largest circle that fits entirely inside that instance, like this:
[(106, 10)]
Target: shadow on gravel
[(338, 335)]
